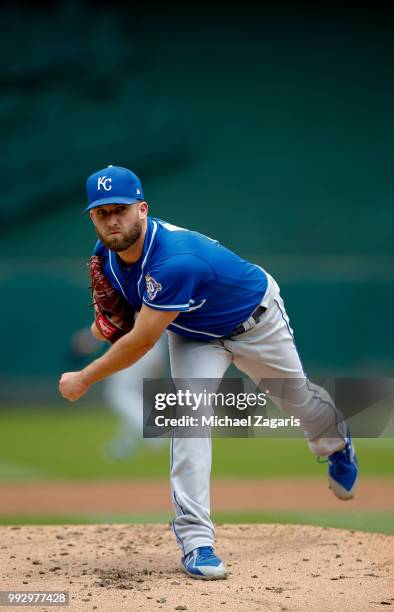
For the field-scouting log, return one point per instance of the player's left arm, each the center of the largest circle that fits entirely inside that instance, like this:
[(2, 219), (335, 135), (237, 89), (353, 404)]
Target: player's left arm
[(128, 349)]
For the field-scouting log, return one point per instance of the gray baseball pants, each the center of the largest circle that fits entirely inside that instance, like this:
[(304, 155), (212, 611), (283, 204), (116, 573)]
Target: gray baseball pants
[(265, 351)]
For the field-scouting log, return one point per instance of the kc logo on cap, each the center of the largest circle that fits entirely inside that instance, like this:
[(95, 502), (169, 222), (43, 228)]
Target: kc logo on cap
[(102, 181)]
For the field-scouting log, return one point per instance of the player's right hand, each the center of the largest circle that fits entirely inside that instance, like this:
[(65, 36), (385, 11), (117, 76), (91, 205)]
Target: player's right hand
[(72, 385)]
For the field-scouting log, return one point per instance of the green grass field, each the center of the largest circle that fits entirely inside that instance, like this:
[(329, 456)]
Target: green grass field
[(68, 443)]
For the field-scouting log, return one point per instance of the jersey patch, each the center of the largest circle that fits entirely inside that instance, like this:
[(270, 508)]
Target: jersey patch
[(152, 286)]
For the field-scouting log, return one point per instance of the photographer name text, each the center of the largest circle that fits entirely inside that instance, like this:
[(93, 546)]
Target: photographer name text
[(256, 420)]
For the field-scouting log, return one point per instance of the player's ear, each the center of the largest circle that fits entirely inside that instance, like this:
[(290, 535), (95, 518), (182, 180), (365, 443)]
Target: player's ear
[(142, 209), (92, 217)]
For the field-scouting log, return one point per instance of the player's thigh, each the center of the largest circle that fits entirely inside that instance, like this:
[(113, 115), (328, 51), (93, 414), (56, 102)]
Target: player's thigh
[(191, 359), (283, 362), (268, 351)]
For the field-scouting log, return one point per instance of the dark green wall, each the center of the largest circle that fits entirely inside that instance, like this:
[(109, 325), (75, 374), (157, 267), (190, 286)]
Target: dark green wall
[(271, 131)]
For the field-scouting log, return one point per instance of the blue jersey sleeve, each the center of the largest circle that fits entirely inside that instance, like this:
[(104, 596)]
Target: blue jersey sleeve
[(174, 283)]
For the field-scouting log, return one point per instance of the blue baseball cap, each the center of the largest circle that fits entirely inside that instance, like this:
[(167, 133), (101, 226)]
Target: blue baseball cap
[(113, 185)]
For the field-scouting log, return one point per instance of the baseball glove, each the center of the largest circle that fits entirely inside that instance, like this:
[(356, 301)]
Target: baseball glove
[(114, 315)]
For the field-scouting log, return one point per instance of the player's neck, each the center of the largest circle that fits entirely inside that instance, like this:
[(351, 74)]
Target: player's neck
[(134, 252)]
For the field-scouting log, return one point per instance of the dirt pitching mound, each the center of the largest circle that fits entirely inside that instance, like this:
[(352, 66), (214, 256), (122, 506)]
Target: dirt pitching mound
[(132, 567)]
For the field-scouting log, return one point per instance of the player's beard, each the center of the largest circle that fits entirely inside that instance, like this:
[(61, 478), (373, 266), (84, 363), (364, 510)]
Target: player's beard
[(124, 240)]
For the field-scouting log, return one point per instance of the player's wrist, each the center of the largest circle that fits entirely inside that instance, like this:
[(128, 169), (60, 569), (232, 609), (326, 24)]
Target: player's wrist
[(87, 377)]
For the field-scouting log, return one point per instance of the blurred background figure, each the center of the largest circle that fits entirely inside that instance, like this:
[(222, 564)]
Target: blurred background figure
[(123, 393)]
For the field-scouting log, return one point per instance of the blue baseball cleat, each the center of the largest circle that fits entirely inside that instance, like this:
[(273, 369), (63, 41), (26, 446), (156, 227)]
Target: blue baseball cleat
[(202, 563), (343, 471)]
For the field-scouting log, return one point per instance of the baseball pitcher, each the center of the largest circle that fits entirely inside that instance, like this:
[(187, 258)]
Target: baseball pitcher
[(217, 309)]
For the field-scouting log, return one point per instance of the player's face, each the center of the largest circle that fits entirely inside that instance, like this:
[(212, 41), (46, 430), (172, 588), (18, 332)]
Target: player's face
[(119, 226)]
